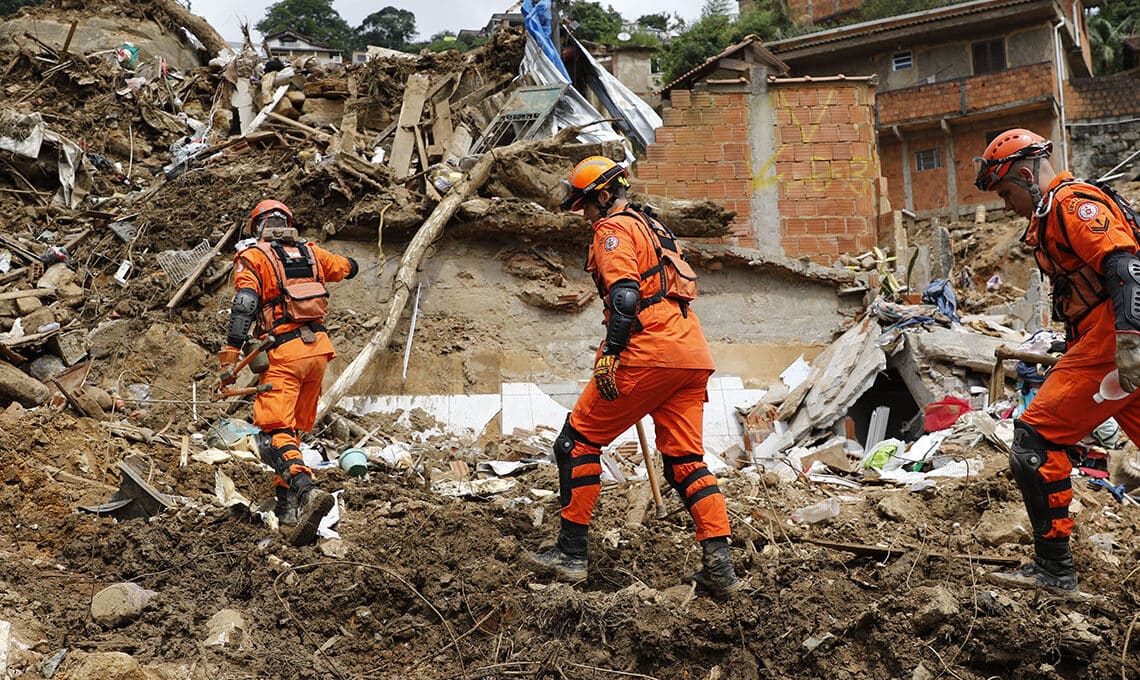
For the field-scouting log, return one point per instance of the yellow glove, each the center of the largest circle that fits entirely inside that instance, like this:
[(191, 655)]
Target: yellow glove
[(605, 371)]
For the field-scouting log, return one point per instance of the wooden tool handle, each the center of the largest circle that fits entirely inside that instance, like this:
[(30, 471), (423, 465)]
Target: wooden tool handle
[(651, 472)]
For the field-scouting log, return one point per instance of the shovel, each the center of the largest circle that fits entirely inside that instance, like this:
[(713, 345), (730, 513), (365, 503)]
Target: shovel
[(651, 472)]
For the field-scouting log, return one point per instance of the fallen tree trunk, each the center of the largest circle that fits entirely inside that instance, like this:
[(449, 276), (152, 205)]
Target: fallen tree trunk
[(198, 27), (406, 280)]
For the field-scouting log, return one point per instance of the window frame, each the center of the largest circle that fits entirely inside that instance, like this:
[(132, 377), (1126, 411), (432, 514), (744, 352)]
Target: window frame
[(988, 46), (936, 159), (909, 54)]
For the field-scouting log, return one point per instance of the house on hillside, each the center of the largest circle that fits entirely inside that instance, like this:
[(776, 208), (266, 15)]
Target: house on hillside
[(793, 157), (290, 45), (949, 80)]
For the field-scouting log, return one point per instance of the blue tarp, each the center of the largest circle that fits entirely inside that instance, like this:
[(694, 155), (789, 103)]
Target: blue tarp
[(536, 16)]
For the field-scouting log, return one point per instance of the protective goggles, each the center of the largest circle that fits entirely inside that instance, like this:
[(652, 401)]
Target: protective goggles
[(274, 219), (988, 172)]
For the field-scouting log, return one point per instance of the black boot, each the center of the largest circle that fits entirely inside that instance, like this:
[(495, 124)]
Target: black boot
[(313, 504), (1051, 569), (716, 574), (567, 559), (286, 508)]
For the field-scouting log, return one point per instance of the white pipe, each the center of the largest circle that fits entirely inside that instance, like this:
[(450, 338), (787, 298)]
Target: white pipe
[(1058, 65)]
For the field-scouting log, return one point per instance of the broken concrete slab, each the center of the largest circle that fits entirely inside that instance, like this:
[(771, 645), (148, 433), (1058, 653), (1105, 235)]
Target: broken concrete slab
[(120, 603)]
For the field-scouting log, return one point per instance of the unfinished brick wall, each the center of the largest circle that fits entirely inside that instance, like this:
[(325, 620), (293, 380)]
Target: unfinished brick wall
[(823, 164), (827, 168), (702, 151)]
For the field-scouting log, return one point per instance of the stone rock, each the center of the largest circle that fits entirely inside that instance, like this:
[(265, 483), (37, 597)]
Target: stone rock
[(120, 603), (1006, 523), (776, 394), (921, 673), (38, 319), (45, 366), (895, 506), (940, 607), (180, 357), (100, 396), (15, 385), (56, 275), (227, 627), (105, 666), (27, 305), (335, 548), (108, 338)]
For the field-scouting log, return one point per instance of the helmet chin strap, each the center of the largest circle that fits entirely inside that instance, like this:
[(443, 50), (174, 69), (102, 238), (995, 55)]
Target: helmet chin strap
[(1033, 189)]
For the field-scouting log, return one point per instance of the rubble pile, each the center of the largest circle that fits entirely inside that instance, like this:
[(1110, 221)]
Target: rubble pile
[(866, 487)]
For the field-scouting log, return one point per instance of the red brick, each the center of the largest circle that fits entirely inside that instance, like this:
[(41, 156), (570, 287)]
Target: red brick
[(724, 171), (702, 99), (684, 135), (656, 152), (672, 116), (842, 151), (646, 170), (655, 188), (715, 190), (665, 135), (796, 226), (735, 115), (735, 151), (738, 188), (680, 97)]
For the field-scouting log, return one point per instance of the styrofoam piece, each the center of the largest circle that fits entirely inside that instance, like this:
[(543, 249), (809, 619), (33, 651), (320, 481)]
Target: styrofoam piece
[(796, 373)]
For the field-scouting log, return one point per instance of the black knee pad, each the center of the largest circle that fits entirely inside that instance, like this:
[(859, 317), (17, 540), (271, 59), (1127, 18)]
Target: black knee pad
[(564, 445), (1029, 452), (681, 486)]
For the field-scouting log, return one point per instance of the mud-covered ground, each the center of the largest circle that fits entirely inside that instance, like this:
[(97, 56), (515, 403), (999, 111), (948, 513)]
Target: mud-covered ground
[(432, 587)]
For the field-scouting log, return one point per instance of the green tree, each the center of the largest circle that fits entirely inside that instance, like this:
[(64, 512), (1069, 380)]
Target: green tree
[(10, 6), (314, 19), (658, 21), (1107, 30), (595, 23), (390, 27), (715, 31)]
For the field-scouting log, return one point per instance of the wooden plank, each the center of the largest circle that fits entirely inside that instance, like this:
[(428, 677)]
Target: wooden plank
[(35, 292), (884, 553), (441, 129), (261, 116), (458, 145), (415, 92)]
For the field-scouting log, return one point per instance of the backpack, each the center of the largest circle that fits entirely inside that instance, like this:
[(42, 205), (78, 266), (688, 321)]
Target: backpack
[(1125, 205), (303, 296), (678, 280)]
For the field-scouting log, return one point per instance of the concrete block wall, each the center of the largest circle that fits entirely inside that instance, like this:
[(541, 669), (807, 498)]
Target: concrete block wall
[(702, 152), (1116, 95), (827, 168)]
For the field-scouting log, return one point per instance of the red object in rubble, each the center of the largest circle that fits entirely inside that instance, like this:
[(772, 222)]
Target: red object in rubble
[(941, 414)]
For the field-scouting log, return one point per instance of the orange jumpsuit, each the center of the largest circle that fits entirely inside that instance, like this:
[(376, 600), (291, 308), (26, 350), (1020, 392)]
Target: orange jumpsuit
[(663, 371), (296, 369), (1070, 240)]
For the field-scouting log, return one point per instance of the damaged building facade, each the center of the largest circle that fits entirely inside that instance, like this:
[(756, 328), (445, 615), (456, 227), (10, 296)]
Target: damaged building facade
[(948, 81), (793, 157)]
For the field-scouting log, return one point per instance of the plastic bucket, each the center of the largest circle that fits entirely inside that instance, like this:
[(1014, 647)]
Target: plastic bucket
[(354, 461)]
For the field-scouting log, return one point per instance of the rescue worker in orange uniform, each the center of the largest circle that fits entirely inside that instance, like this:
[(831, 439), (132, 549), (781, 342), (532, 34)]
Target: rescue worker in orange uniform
[(280, 281), (1083, 242), (654, 360)]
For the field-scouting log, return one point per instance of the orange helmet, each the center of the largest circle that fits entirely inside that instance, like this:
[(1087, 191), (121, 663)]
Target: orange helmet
[(592, 174), (1006, 149), (263, 211)]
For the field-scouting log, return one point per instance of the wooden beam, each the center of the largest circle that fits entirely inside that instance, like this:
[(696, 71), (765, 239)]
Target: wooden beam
[(882, 553)]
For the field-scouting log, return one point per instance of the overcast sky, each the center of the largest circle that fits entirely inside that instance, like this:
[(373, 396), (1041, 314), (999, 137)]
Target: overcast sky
[(431, 16)]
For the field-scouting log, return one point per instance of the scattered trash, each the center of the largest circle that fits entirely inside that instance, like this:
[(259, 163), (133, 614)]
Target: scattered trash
[(817, 512)]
